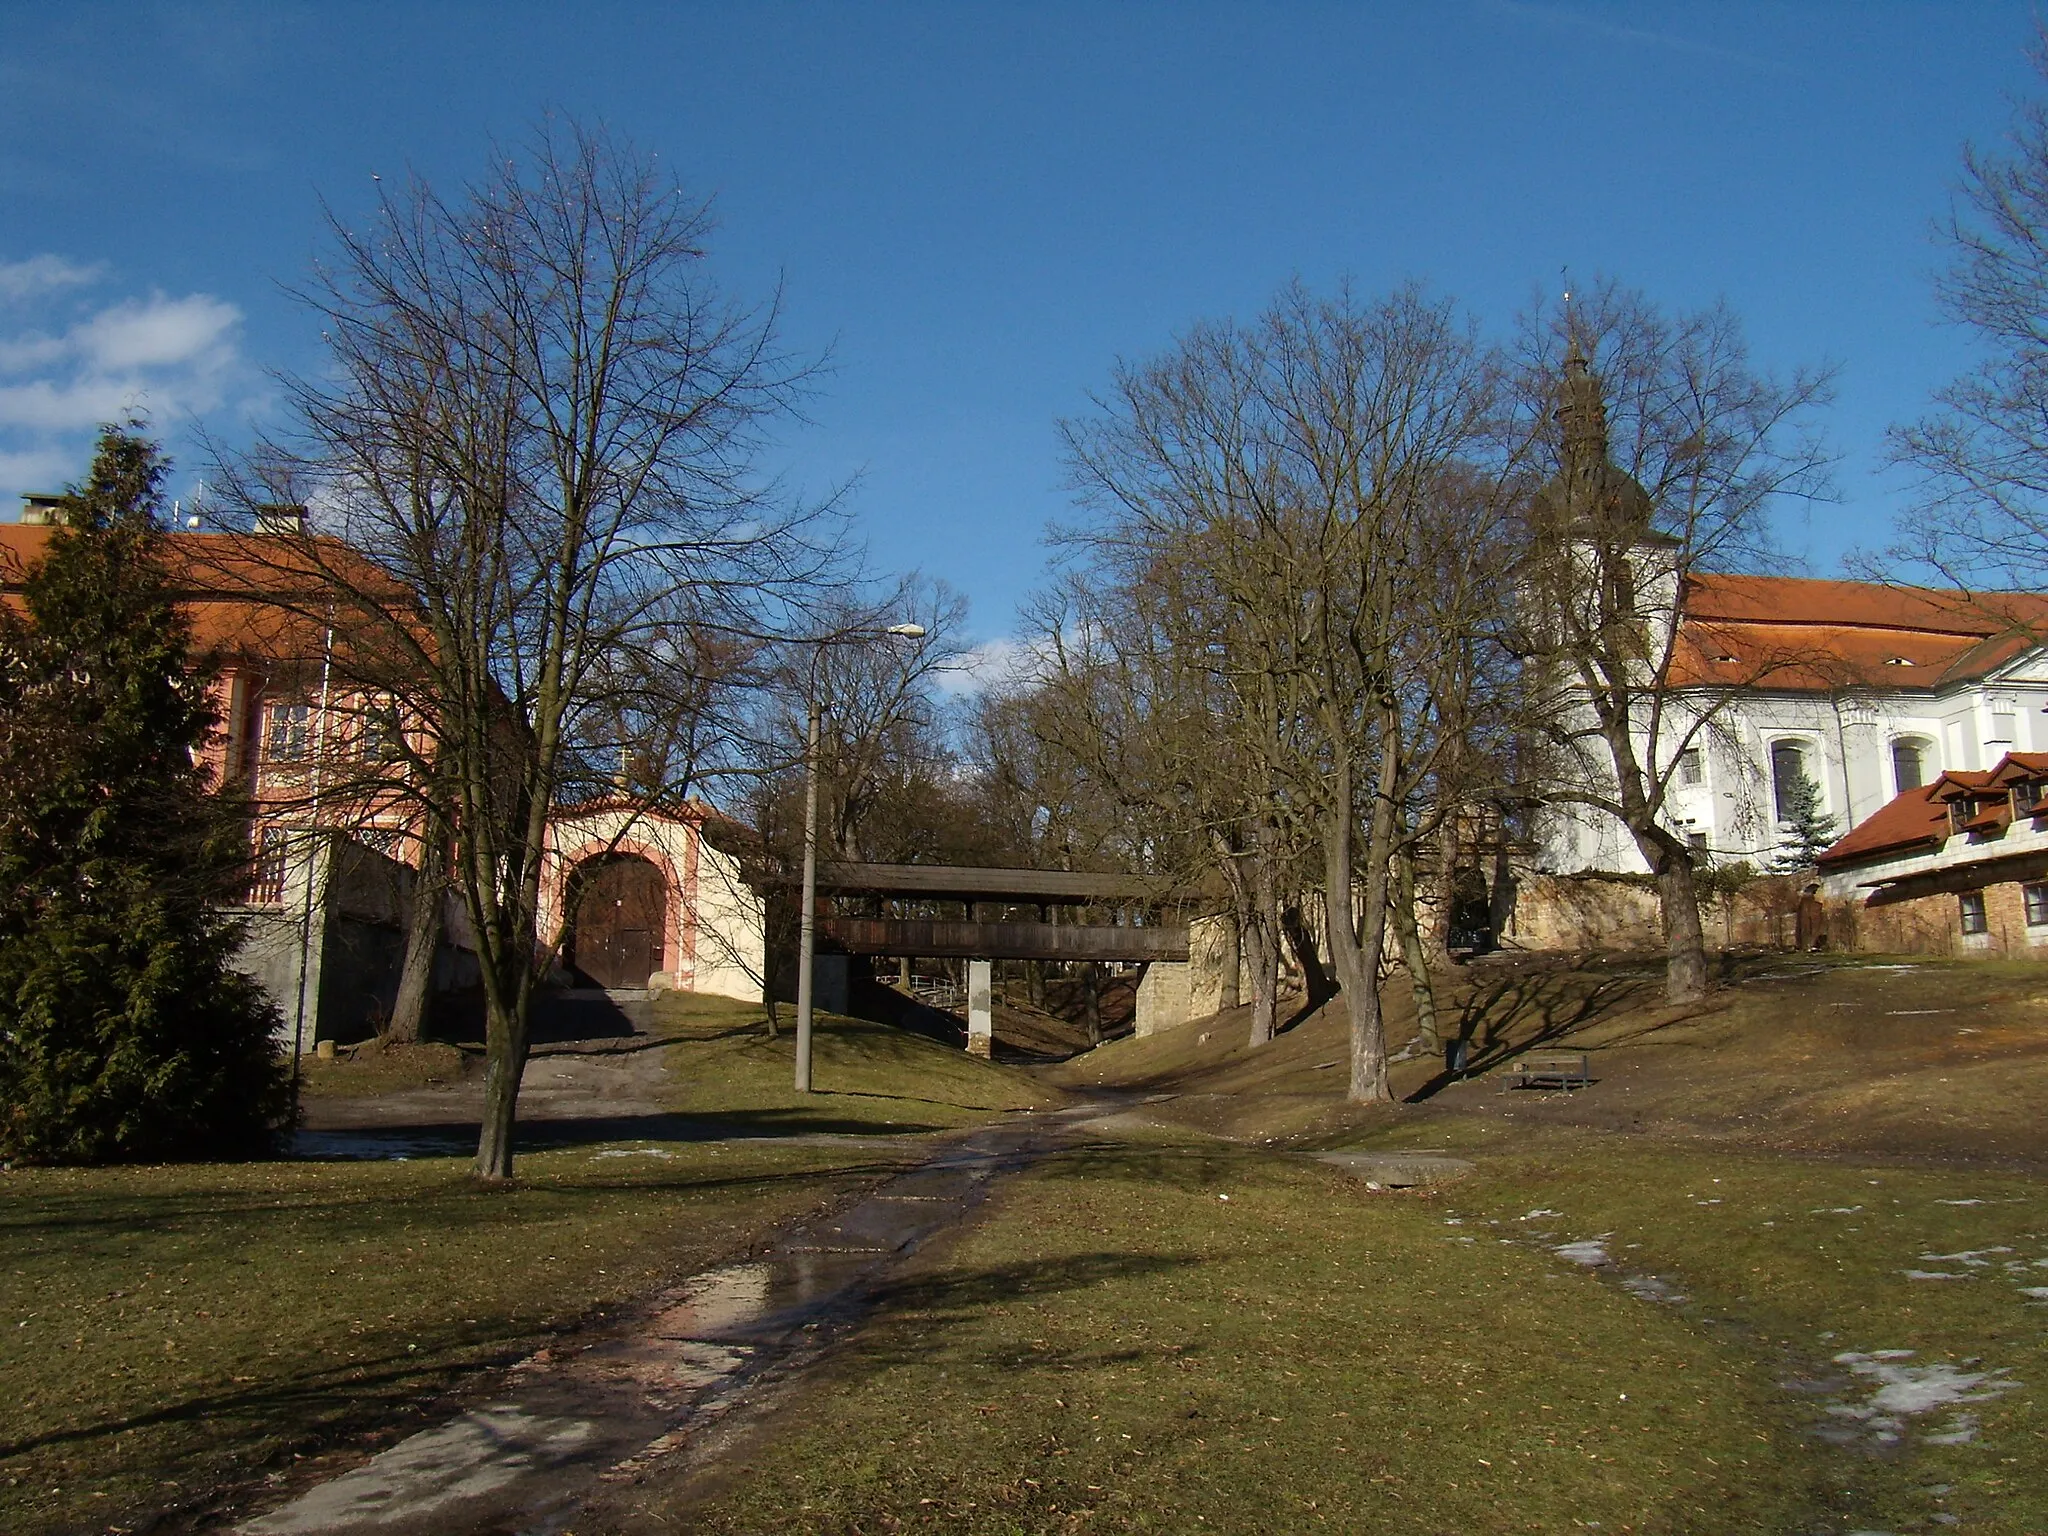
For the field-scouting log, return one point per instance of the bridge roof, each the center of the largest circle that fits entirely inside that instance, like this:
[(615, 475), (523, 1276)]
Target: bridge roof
[(956, 882)]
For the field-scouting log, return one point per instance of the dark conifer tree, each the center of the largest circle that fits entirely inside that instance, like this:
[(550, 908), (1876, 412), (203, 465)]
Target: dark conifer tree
[(125, 1034)]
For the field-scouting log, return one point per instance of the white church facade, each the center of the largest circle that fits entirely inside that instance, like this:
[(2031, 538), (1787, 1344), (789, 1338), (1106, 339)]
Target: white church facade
[(1862, 689)]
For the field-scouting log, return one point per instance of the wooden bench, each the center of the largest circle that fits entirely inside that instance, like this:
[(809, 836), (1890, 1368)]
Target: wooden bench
[(1549, 1069)]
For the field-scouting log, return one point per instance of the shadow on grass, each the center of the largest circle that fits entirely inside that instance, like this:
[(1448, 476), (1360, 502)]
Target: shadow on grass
[(458, 1137), (301, 1401), (933, 1303), (1526, 1010), (453, 1207)]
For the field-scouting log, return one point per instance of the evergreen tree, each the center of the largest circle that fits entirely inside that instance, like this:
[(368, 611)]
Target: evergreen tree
[(1807, 830), (125, 1034)]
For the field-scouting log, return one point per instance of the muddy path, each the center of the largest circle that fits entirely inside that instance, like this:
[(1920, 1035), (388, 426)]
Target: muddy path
[(583, 1414)]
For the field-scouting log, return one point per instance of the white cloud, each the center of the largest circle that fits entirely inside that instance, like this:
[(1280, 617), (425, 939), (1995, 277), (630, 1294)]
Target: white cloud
[(992, 664), (167, 356), (158, 333), (44, 274), (37, 472)]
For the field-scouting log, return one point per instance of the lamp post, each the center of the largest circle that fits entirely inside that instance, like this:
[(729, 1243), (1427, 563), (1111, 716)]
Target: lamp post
[(807, 921)]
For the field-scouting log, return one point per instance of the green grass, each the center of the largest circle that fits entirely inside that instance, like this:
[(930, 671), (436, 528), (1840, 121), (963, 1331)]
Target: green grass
[(374, 1067), (1803, 1260), (867, 1077), (1117, 1347), (163, 1330)]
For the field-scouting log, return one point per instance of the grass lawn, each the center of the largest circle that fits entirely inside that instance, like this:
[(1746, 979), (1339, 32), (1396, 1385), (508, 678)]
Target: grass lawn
[(868, 1077), (1117, 1347), (165, 1330)]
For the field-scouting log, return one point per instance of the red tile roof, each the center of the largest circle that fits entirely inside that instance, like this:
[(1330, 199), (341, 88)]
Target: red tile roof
[(1801, 635), (244, 597), (1915, 820)]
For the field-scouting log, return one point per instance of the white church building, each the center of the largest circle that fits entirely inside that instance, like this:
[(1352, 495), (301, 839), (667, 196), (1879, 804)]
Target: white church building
[(1864, 690)]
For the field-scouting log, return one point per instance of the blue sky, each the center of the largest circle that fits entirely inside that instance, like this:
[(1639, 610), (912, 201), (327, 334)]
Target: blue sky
[(977, 207)]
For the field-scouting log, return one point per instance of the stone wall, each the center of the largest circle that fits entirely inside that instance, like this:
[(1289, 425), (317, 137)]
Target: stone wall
[(1165, 997), (1572, 912)]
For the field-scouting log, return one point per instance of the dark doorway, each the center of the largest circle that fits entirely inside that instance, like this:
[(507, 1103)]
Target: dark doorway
[(621, 915)]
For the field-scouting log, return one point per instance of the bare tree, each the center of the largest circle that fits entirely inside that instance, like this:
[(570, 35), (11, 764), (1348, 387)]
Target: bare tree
[(1295, 489), (1981, 459), (539, 525), (1669, 451)]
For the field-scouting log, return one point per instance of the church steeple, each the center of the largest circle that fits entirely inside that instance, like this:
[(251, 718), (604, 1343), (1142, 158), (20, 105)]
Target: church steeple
[(1590, 496), (1581, 412)]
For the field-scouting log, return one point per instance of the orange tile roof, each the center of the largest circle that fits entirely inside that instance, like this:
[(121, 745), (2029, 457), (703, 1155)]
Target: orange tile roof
[(1914, 820), (1801, 635), (241, 602)]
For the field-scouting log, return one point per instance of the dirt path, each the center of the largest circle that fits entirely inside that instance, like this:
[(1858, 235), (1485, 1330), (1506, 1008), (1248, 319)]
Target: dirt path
[(565, 1424)]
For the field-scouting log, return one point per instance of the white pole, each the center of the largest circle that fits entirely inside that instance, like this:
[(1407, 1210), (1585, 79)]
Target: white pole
[(807, 920), (807, 941)]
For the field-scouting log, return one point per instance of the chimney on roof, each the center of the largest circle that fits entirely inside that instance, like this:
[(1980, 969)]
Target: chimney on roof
[(41, 511), (281, 519)]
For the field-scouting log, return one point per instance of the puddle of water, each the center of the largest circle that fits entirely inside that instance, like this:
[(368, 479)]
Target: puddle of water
[(479, 1453)]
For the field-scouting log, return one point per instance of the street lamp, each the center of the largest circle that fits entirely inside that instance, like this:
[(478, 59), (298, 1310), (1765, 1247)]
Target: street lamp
[(807, 923)]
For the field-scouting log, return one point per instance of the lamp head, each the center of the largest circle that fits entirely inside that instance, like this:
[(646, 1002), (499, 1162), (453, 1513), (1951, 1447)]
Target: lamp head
[(906, 631)]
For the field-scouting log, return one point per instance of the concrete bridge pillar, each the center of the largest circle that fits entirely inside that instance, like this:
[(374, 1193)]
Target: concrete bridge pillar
[(981, 1021)]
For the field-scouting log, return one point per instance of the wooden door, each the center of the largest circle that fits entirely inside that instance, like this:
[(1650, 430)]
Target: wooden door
[(621, 916)]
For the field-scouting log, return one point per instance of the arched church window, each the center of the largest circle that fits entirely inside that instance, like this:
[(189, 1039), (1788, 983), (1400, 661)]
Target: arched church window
[(1909, 764), (1789, 781)]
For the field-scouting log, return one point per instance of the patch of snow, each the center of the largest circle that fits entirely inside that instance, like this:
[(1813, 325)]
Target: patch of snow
[(1907, 1391), (1533, 1215), (1933, 1274), (1974, 1257), (1650, 1288), (1590, 1252), (1834, 1210), (1959, 1202), (2038, 1292), (634, 1152)]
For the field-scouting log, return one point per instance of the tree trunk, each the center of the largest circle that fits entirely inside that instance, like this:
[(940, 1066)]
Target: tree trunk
[(1413, 956), (506, 1035), (1263, 932), (1314, 979), (1231, 966), (422, 943), (1091, 1001), (1685, 944)]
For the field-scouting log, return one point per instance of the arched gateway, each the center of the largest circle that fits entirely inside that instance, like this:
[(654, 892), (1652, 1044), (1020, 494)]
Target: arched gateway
[(619, 903)]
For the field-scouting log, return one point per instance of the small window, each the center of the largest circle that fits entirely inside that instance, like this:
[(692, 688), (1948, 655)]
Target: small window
[(1970, 908), (1697, 841), (1690, 769), (287, 732), (266, 872), (1959, 813), (1909, 770), (2036, 898), (382, 740), (2026, 799)]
